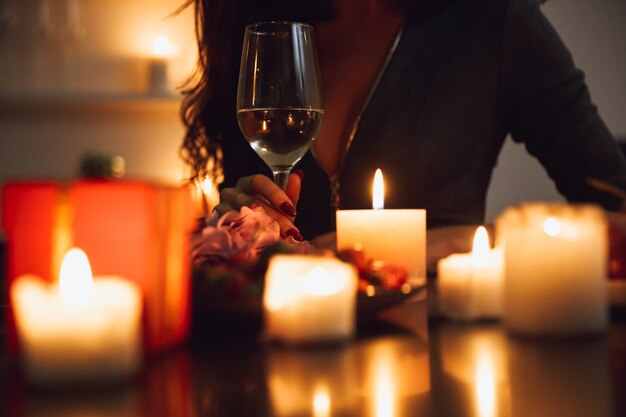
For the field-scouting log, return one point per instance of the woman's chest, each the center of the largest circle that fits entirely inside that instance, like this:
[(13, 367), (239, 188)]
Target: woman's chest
[(350, 66)]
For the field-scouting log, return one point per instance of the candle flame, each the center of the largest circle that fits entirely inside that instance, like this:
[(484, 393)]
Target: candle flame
[(76, 280), (378, 191), (319, 282), (551, 226), (481, 242), (384, 386), (204, 186)]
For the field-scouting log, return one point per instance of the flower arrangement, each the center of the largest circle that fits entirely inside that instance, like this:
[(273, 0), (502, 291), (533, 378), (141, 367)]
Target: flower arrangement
[(240, 235), (230, 254)]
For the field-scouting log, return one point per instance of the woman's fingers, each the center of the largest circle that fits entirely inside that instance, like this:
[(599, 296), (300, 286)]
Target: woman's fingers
[(260, 185), (222, 208), (235, 198)]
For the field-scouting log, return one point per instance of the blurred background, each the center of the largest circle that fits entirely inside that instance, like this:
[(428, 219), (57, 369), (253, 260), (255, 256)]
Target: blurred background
[(80, 76)]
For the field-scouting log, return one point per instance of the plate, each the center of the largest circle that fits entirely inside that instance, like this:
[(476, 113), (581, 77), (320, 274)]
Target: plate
[(369, 305), (246, 315)]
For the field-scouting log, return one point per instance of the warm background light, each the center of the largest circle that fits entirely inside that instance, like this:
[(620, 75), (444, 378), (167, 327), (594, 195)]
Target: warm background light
[(105, 57), (161, 46)]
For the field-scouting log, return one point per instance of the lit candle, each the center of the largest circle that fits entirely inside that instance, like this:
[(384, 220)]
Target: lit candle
[(555, 259), (43, 220), (207, 194), (309, 299), (80, 330), (469, 286), (396, 236), (162, 49)]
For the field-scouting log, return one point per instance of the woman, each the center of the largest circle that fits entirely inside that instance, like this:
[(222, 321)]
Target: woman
[(426, 90)]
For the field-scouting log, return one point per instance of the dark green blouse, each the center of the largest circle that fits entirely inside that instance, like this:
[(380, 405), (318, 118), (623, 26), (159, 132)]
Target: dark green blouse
[(460, 80)]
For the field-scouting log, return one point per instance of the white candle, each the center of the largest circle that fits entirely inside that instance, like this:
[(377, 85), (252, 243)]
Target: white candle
[(395, 236), (158, 76), (555, 268), (469, 286), (309, 299), (79, 330)]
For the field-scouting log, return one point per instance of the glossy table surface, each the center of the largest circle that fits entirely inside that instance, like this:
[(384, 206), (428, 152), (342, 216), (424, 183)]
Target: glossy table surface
[(401, 364)]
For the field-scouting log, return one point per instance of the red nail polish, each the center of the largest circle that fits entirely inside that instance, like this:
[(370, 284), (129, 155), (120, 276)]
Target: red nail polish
[(299, 173), (295, 234), (288, 209)]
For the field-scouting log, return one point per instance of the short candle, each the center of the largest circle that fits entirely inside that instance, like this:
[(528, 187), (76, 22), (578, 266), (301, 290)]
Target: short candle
[(162, 49), (79, 330), (395, 236), (309, 299), (555, 268), (469, 286)]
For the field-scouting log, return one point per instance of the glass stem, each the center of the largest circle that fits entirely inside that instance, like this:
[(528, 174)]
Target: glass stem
[(281, 176)]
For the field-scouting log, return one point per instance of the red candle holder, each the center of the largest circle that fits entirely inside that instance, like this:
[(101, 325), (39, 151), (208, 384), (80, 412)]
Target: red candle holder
[(134, 229)]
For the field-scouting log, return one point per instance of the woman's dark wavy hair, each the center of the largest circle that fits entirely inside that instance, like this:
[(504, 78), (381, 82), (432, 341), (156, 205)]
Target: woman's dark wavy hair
[(208, 96)]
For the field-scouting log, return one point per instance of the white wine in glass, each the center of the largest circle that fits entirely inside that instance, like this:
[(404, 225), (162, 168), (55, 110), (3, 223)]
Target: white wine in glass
[(279, 97)]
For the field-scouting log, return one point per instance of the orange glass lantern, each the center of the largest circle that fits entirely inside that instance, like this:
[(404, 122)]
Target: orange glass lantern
[(134, 229)]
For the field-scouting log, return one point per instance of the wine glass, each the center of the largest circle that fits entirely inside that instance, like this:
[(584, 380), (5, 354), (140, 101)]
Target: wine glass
[(279, 97)]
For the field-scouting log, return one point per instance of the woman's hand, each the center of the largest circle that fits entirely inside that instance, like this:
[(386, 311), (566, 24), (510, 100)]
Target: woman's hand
[(261, 191)]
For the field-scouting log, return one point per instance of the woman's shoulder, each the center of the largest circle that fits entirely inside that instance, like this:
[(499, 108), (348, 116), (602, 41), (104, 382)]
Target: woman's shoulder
[(480, 11), (459, 18)]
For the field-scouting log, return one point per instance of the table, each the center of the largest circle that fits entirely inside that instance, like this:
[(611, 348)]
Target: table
[(402, 364)]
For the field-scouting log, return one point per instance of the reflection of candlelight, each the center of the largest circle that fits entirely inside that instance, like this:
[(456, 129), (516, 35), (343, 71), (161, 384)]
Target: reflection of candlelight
[(485, 384), (394, 371), (384, 387), (560, 378), (317, 382), (465, 350), (321, 402), (477, 357)]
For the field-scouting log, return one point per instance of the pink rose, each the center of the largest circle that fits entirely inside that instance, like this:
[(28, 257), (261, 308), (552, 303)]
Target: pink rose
[(240, 235)]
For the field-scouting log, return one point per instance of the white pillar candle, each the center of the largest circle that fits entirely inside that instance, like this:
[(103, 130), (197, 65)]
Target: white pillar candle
[(79, 330), (396, 236), (469, 286), (158, 76), (555, 268), (309, 299)]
